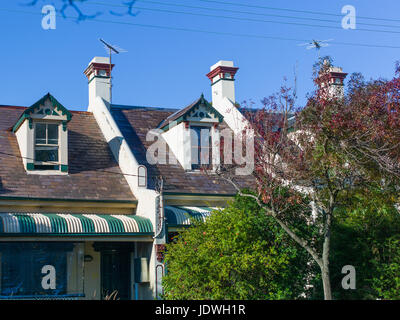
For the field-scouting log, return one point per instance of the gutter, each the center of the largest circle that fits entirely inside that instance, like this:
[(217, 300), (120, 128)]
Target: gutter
[(67, 200)]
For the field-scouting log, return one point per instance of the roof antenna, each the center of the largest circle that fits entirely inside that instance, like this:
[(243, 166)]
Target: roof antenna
[(111, 49), (316, 44)]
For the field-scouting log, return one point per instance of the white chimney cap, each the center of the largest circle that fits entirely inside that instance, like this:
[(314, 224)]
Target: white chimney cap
[(222, 63), (336, 69), (100, 60)]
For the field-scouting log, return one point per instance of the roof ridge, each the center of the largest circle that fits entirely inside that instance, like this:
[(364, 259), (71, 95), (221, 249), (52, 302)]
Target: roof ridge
[(13, 107), (21, 107), (122, 106)]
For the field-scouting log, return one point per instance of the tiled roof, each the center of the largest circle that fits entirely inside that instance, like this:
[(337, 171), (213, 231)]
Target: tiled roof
[(93, 172), (135, 123), (250, 113)]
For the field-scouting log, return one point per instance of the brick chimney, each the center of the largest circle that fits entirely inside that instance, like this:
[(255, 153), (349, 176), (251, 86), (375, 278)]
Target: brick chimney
[(98, 74), (333, 81), (222, 76)]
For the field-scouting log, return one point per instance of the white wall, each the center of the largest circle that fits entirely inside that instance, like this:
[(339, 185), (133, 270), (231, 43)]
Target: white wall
[(178, 140), (92, 273), (98, 87), (223, 89), (25, 138), (148, 200), (232, 116)]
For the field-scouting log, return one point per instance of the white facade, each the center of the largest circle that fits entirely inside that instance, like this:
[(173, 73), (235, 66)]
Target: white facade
[(150, 202)]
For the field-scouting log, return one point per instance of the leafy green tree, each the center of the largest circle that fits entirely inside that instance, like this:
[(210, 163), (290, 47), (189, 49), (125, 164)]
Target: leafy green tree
[(238, 253), (338, 144), (387, 283), (366, 235)]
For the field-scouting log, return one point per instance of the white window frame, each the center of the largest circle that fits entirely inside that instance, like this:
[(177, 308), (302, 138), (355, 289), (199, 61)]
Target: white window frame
[(43, 146), (210, 165), (141, 176)]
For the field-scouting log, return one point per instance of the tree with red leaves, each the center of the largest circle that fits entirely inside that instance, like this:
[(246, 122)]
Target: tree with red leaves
[(315, 157)]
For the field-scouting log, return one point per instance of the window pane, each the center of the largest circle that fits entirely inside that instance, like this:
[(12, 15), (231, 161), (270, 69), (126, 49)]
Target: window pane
[(195, 154), (52, 133), (142, 176), (200, 146), (40, 133), (205, 142), (46, 167), (195, 136), (24, 266), (205, 156), (46, 155)]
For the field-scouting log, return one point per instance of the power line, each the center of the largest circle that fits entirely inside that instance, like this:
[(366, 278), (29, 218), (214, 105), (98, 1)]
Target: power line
[(295, 10), (235, 34), (246, 19), (208, 31), (255, 13)]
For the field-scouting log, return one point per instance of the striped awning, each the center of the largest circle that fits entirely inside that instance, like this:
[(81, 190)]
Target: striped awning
[(73, 224), (184, 216)]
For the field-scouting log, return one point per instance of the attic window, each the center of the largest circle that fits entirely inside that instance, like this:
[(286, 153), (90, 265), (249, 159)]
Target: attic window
[(46, 146), (201, 147), (42, 137)]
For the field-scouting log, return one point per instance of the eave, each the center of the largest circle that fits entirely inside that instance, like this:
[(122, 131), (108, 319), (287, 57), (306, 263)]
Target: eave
[(27, 112), (183, 114), (197, 199), (22, 203)]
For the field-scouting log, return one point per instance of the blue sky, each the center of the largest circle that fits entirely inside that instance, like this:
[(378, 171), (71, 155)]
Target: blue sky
[(166, 68)]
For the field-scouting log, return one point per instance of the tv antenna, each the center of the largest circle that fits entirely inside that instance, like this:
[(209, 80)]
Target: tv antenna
[(111, 49), (316, 44)]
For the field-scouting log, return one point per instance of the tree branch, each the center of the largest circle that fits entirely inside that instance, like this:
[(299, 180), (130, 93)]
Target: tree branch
[(303, 243)]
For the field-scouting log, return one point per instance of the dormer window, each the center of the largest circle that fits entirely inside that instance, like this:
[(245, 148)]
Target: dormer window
[(42, 136), (46, 146), (201, 147), (192, 135)]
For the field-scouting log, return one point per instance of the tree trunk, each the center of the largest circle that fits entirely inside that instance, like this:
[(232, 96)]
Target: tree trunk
[(326, 282), (323, 262)]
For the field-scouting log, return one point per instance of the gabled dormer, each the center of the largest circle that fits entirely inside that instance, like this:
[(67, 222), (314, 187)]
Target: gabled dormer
[(42, 134), (200, 111), (192, 135)]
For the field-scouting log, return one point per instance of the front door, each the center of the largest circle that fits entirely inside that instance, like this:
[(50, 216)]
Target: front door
[(116, 274)]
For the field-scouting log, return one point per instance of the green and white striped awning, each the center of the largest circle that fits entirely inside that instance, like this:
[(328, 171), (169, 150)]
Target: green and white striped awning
[(73, 224), (184, 216)]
